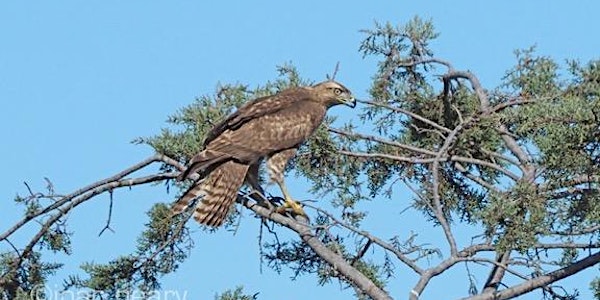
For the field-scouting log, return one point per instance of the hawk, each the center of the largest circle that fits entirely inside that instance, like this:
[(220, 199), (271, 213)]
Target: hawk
[(269, 128)]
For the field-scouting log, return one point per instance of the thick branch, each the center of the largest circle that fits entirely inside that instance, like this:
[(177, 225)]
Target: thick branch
[(479, 91), (111, 183), (582, 231), (428, 60), (439, 211), (336, 261), (571, 182), (497, 273), (432, 272), (540, 281), (510, 142)]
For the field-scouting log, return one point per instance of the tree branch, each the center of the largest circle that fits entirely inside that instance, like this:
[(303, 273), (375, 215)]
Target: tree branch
[(302, 229), (408, 113), (401, 256), (67, 198), (382, 141), (419, 160), (540, 281), (497, 273), (62, 211), (336, 261)]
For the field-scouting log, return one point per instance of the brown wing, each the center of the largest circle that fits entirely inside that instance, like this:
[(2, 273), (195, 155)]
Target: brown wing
[(255, 109), (253, 131), (270, 133)]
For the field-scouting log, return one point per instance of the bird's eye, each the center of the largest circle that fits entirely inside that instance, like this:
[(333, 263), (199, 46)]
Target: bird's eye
[(337, 91)]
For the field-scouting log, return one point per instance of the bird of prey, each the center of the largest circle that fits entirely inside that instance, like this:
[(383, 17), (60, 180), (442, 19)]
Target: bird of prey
[(270, 128)]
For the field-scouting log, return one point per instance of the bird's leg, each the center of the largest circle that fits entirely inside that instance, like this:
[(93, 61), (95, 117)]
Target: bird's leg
[(289, 203), (260, 198), (276, 165), (256, 191)]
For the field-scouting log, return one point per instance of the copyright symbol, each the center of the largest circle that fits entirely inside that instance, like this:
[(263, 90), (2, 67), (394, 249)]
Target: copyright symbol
[(38, 292)]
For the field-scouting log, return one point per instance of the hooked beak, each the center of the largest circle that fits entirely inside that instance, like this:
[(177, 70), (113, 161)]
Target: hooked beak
[(351, 101)]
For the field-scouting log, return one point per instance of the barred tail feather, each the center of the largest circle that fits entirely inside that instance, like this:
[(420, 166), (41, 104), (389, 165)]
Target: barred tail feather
[(219, 191), (183, 202)]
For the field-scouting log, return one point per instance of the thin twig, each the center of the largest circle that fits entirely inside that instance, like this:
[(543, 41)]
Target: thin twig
[(381, 140), (79, 192), (110, 207), (83, 198), (337, 262), (401, 256), (408, 113)]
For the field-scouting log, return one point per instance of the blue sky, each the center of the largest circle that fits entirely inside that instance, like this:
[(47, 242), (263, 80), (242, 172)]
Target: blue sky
[(80, 79)]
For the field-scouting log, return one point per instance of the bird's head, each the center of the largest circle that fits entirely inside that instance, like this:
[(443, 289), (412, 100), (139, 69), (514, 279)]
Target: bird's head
[(333, 93)]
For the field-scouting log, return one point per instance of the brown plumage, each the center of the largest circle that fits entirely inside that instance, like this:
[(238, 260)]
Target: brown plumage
[(270, 128)]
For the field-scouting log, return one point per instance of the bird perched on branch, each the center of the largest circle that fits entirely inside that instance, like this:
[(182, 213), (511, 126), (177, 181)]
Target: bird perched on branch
[(270, 128)]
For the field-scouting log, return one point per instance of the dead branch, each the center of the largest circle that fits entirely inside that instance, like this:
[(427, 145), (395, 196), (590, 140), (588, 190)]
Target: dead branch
[(109, 218)]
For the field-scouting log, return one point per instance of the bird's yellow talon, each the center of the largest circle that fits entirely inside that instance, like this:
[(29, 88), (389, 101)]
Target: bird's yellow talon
[(292, 206)]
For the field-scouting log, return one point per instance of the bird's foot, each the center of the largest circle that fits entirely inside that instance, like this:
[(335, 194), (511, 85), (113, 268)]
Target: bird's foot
[(260, 199), (291, 206)]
